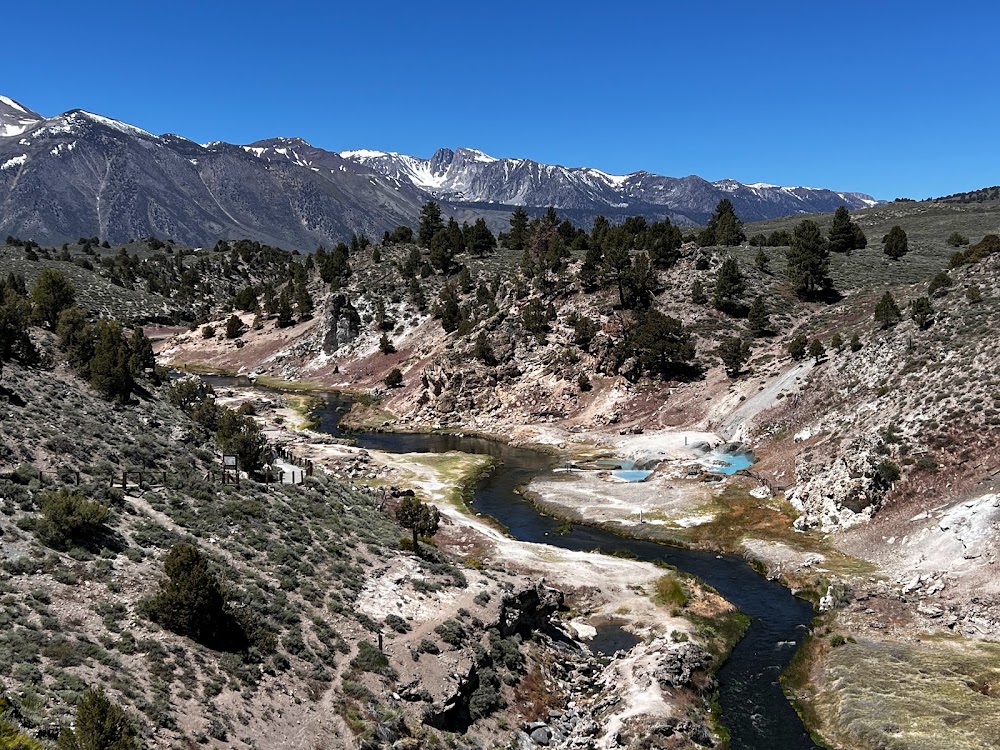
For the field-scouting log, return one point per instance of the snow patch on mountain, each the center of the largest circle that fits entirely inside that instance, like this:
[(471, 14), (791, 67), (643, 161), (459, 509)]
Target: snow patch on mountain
[(121, 127), (15, 118), (14, 162)]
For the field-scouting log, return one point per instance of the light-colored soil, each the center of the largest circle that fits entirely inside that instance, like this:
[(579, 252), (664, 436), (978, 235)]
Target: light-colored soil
[(598, 587)]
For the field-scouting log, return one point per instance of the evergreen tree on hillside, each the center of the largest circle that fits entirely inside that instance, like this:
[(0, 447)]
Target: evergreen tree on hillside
[(480, 240), (419, 517), (797, 346), (51, 294), (284, 310), (451, 313), (758, 320), (808, 260), (761, 261), (303, 301), (100, 725), (663, 241), (887, 312), (456, 238), (110, 368), (816, 350), (729, 287), (663, 345), (430, 223), (640, 283), (15, 316), (442, 252), (734, 352), (141, 357), (593, 264), (698, 295), (845, 235), (921, 311), (516, 240), (896, 244), (190, 601), (724, 228)]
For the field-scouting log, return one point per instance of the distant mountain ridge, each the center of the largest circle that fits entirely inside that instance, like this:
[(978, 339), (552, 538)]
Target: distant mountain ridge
[(81, 174), (470, 175)]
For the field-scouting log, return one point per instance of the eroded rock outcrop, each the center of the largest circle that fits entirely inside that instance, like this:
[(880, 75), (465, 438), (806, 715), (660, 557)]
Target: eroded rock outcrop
[(840, 491)]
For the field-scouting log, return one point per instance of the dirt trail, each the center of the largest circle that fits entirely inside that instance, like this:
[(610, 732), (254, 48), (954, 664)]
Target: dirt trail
[(734, 424)]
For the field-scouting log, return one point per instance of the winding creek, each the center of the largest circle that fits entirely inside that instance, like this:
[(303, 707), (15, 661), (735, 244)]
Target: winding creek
[(754, 708)]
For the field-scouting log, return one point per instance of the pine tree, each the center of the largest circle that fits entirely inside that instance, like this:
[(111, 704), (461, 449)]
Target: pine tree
[(110, 370), (808, 259), (100, 725), (921, 311), (451, 313), (724, 228), (234, 327), (816, 350), (887, 312), (896, 244), (728, 287), (190, 601), (481, 240), (394, 379), (836, 342), (798, 346), (516, 240), (51, 294), (662, 344), (456, 238), (441, 253), (430, 223), (758, 320), (284, 310), (762, 260), (270, 307), (734, 353), (303, 301), (845, 235)]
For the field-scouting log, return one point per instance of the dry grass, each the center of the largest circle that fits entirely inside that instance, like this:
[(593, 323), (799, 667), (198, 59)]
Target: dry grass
[(942, 693)]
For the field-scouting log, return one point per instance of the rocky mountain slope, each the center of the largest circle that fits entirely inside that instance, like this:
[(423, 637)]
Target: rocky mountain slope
[(82, 175), (79, 174), (15, 118)]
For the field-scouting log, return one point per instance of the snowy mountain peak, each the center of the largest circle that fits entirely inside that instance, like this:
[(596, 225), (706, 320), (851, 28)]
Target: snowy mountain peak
[(469, 175), (361, 154), (15, 118), (121, 127)]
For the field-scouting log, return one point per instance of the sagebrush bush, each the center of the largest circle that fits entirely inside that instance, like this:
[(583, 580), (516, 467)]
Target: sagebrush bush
[(69, 519)]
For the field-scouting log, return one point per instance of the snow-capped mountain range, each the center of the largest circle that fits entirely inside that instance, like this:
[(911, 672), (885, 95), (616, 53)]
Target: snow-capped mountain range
[(469, 175), (82, 174)]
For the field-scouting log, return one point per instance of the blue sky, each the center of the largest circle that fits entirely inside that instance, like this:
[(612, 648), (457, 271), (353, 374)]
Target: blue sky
[(890, 98)]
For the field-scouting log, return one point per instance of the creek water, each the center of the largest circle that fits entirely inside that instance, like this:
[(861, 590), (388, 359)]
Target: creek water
[(754, 707)]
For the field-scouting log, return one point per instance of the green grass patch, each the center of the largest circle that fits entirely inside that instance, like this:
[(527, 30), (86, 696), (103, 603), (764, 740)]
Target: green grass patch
[(304, 405), (670, 592), (280, 384)]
